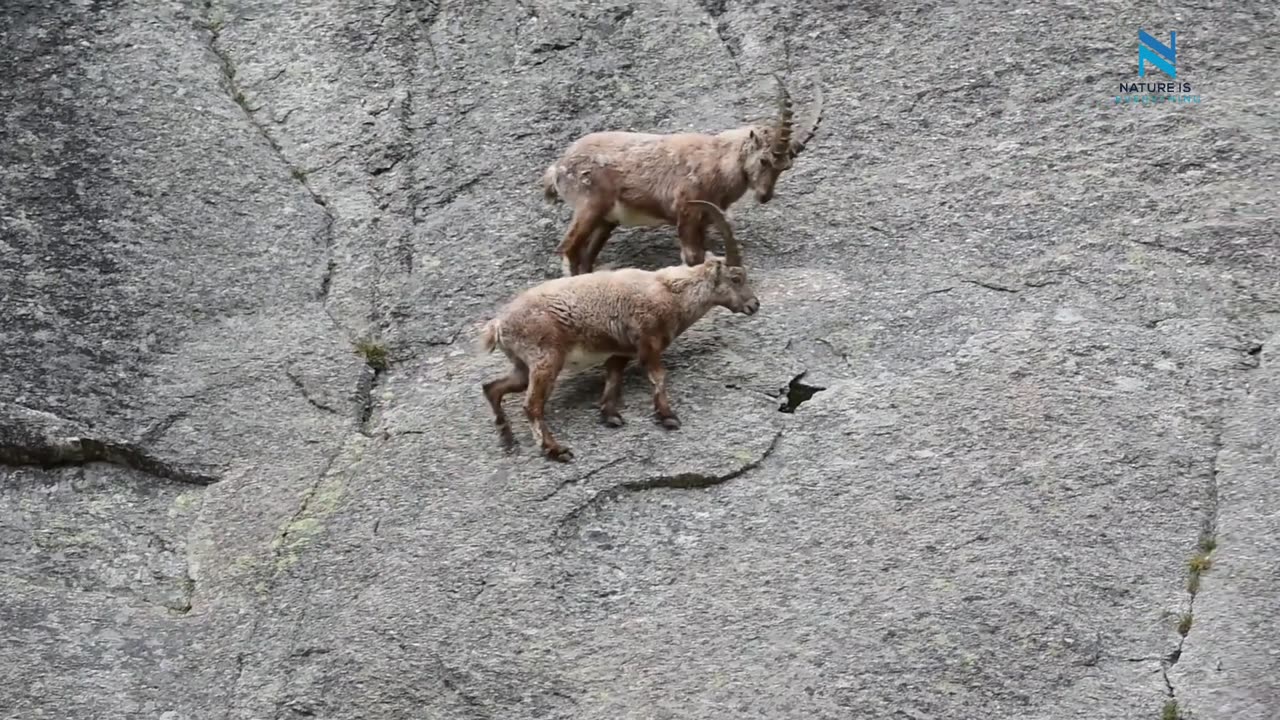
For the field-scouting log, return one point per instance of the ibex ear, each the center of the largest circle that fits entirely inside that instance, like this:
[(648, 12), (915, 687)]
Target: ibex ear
[(719, 271)]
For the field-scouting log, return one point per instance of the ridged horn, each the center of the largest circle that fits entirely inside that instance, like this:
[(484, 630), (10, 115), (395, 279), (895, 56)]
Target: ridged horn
[(811, 127), (782, 132), (732, 250)]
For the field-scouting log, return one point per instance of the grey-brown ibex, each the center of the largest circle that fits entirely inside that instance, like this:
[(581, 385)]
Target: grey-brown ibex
[(608, 317), (629, 179)]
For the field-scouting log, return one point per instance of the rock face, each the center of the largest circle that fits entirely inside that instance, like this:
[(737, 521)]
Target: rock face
[(1023, 340)]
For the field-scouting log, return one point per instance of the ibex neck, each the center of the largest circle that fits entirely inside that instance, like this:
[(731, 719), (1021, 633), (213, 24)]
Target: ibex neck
[(693, 314), (732, 171), (695, 301)]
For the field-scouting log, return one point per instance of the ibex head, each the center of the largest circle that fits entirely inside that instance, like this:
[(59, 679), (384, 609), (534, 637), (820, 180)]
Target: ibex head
[(773, 148), (730, 289)]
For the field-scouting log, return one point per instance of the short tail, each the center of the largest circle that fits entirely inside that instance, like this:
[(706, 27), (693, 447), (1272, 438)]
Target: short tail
[(550, 183), (491, 335)]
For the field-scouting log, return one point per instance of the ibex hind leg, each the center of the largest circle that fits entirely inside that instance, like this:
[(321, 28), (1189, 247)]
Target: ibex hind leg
[(494, 390), (542, 380), (588, 253), (586, 218)]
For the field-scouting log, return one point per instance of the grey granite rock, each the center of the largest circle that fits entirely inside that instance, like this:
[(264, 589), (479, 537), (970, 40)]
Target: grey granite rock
[(1022, 339)]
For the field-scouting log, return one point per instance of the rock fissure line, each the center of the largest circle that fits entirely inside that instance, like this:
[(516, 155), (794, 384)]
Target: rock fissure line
[(306, 503), (1170, 249), (678, 481), (715, 10), (1198, 565), (991, 286), (50, 453), (302, 390), (425, 24), (581, 478), (277, 553), (1208, 541), (236, 92)]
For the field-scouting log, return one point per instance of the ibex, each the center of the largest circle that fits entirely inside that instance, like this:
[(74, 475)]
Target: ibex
[(631, 179), (608, 317)]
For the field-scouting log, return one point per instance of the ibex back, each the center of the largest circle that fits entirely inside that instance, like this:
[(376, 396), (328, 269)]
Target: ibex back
[(626, 179), (608, 317)]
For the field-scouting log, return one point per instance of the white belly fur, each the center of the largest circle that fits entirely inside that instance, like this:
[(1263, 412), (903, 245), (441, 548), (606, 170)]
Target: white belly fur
[(628, 217), (580, 359)]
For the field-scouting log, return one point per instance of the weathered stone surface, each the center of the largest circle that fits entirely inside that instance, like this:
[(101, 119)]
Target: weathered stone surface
[(1024, 340)]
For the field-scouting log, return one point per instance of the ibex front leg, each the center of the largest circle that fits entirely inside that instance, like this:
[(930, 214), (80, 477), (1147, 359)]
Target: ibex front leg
[(692, 235), (651, 358), (612, 390)]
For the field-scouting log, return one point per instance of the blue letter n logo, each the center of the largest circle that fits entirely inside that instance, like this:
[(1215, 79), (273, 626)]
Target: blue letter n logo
[(1151, 50)]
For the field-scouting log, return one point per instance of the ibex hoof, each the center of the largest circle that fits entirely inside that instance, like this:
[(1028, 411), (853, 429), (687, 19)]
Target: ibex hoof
[(670, 422), (506, 438), (613, 421), (559, 454)]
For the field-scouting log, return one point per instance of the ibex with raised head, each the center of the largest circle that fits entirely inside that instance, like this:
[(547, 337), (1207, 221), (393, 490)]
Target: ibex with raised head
[(608, 317), (613, 179)]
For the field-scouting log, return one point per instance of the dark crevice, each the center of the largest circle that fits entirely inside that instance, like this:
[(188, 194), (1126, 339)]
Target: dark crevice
[(370, 399), (555, 46), (939, 291), (51, 453), (326, 278), (679, 481), (798, 393), (404, 249), (991, 286)]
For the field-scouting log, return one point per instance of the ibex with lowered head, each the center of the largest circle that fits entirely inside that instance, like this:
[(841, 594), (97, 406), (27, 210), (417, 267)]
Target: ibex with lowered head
[(628, 179), (608, 317)]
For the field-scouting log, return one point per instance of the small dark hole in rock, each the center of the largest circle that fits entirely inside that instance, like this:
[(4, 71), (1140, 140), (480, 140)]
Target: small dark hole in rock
[(798, 393), (1255, 350)]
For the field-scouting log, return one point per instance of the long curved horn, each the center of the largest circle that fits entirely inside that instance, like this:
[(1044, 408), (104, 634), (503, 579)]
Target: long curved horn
[(811, 127), (732, 250), (782, 133)]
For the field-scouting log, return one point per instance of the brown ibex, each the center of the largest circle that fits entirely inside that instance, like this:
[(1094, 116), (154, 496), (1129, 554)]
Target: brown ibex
[(608, 317), (613, 179)]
